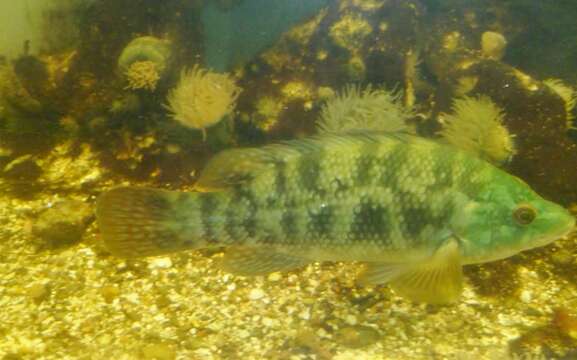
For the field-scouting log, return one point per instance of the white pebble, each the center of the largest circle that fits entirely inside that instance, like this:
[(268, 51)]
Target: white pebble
[(243, 334), (351, 320), (160, 263), (256, 294), (274, 276), (526, 296), (305, 314)]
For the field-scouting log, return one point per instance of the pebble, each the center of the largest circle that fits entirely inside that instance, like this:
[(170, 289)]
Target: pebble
[(274, 277), (63, 224), (305, 314), (243, 334), (526, 296), (109, 293), (256, 294), (39, 292), (268, 322), (160, 263), (351, 320), (159, 351), (357, 337), (562, 257)]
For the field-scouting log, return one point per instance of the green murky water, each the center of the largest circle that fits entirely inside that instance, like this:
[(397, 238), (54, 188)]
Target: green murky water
[(95, 94)]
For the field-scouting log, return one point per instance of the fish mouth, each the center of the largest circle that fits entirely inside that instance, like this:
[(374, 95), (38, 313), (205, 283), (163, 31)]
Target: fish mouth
[(569, 229), (564, 230)]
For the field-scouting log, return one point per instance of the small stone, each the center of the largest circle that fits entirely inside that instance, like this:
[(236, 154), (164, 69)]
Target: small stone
[(351, 320), (243, 334), (357, 337), (22, 168), (274, 277), (268, 322), (109, 293), (526, 296), (256, 294), (305, 314), (63, 224), (160, 263), (39, 292), (308, 339), (562, 257), (163, 301), (158, 352)]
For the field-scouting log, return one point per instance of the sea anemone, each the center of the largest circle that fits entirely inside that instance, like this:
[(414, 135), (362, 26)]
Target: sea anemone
[(565, 92), (142, 75), (202, 98), (144, 61), (476, 126), (369, 109), (493, 45)]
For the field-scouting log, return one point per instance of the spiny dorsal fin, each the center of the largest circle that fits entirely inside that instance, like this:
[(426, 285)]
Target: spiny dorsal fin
[(236, 166), (436, 280), (232, 167)]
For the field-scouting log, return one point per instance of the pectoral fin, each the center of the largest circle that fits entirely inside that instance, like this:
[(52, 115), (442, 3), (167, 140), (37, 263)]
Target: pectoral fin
[(437, 280), (247, 261)]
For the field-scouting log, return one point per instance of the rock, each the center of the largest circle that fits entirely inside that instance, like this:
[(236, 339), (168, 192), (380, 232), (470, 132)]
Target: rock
[(256, 294), (158, 351), (109, 293), (39, 292), (275, 276), (160, 263), (562, 257), (357, 336), (62, 225), (23, 168)]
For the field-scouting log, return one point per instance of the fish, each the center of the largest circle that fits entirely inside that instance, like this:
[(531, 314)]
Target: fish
[(413, 210)]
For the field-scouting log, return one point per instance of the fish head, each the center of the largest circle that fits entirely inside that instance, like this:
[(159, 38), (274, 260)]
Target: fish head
[(507, 217)]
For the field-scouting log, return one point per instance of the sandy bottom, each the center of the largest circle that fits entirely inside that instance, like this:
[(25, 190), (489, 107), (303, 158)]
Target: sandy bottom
[(80, 303)]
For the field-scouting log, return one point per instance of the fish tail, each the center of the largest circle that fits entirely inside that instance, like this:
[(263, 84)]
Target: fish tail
[(137, 222)]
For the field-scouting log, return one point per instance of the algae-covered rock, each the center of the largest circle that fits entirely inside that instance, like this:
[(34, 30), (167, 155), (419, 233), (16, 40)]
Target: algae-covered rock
[(144, 61), (357, 336), (62, 225)]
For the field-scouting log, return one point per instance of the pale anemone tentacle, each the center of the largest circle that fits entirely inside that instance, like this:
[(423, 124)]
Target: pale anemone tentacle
[(202, 98)]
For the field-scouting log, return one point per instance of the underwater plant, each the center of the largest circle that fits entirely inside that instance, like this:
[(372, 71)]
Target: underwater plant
[(370, 109), (202, 98), (565, 92), (144, 61), (476, 126)]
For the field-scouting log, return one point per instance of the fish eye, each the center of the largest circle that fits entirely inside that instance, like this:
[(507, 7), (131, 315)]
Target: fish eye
[(524, 214)]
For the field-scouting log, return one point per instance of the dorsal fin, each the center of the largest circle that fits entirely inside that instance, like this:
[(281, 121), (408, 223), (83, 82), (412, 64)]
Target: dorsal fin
[(236, 166), (232, 167)]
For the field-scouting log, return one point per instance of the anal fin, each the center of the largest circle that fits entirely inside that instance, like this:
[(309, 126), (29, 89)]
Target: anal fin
[(246, 261), (436, 280)]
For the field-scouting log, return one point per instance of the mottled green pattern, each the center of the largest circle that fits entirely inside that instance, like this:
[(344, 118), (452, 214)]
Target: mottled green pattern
[(366, 197), (345, 196)]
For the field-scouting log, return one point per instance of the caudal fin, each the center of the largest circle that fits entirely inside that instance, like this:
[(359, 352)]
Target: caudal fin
[(137, 222)]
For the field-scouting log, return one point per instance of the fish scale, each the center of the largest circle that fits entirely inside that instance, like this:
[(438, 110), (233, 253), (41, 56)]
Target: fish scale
[(307, 202), (413, 209)]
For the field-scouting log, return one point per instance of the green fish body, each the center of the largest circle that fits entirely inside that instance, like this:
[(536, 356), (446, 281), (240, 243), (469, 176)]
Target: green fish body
[(412, 209)]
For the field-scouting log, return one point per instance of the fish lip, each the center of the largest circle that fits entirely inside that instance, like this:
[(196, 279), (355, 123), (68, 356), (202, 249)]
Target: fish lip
[(564, 231)]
